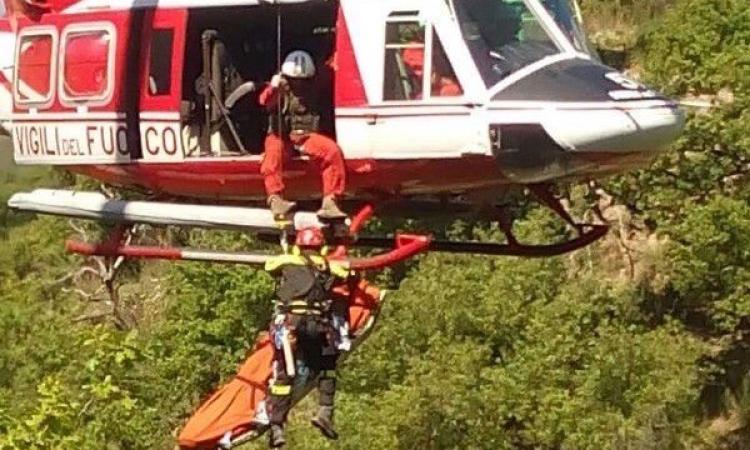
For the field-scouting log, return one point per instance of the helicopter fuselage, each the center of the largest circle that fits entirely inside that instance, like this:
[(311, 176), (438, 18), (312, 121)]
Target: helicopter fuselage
[(119, 91)]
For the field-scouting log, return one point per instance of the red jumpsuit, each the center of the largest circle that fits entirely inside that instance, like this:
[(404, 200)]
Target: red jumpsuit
[(321, 149)]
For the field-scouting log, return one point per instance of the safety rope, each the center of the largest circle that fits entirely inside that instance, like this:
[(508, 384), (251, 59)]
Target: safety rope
[(284, 236), (278, 66)]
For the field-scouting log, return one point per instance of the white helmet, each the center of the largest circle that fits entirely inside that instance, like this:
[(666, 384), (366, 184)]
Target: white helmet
[(298, 64)]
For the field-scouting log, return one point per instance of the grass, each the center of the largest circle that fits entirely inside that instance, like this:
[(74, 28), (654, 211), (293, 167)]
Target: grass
[(6, 155)]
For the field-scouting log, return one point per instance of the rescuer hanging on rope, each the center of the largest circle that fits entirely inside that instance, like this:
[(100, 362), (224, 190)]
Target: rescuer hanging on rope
[(304, 335), (294, 123)]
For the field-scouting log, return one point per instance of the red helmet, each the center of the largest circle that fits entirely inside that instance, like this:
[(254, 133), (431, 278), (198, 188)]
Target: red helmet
[(309, 237)]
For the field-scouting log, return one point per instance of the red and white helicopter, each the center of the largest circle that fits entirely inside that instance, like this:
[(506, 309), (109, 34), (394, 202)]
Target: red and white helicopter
[(160, 95)]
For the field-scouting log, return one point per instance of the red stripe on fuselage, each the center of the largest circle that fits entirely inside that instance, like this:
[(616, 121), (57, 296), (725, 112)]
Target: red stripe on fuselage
[(350, 92), (241, 180), (5, 83), (234, 180)]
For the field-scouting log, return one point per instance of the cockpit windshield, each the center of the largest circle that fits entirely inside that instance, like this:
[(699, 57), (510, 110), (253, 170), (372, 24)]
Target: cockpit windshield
[(567, 15), (502, 35)]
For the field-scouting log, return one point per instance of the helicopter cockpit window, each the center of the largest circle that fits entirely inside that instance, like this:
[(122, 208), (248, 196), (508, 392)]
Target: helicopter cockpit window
[(404, 60), (503, 36), (567, 15)]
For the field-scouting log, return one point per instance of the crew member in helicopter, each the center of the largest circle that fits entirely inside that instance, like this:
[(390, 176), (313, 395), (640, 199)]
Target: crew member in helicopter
[(294, 119), (306, 340), (443, 81)]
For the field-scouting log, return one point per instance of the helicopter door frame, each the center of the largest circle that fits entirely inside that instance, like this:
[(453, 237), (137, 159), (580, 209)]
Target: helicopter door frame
[(427, 127), (164, 138)]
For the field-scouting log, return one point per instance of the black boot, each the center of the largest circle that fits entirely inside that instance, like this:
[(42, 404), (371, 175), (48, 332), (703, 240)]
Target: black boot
[(324, 422), (276, 437)]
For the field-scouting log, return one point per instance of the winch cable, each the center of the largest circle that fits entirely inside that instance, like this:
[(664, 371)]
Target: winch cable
[(278, 67), (284, 236)]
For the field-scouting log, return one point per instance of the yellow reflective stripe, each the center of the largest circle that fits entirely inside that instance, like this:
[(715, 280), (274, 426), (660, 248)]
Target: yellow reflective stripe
[(319, 261), (328, 374), (339, 269), (281, 389), (276, 262), (298, 303)]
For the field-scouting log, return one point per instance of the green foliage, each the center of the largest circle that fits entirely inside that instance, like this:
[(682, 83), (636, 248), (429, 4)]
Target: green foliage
[(514, 354), (701, 46), (710, 263), (615, 24)]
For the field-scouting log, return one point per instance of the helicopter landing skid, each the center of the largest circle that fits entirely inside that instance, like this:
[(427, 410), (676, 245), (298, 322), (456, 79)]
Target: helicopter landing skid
[(586, 233), (591, 234)]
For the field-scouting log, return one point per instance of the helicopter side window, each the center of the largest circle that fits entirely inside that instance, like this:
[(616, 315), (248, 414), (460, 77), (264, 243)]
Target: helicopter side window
[(404, 59), (34, 75), (160, 63), (87, 65)]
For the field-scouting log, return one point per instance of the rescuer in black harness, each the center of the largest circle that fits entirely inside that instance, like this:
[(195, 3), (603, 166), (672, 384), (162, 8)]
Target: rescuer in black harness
[(302, 331)]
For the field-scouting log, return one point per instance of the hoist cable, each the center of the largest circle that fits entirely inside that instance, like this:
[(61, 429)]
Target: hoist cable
[(278, 69)]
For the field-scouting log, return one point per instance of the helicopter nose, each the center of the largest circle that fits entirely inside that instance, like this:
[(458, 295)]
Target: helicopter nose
[(622, 136), (591, 120)]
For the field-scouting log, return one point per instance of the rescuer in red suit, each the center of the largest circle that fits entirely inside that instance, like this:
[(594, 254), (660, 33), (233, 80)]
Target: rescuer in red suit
[(295, 122)]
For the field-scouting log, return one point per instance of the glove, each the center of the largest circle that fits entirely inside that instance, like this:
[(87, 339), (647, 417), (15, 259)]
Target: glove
[(276, 81)]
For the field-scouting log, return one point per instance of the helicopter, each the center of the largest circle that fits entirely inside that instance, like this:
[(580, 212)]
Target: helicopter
[(161, 96)]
